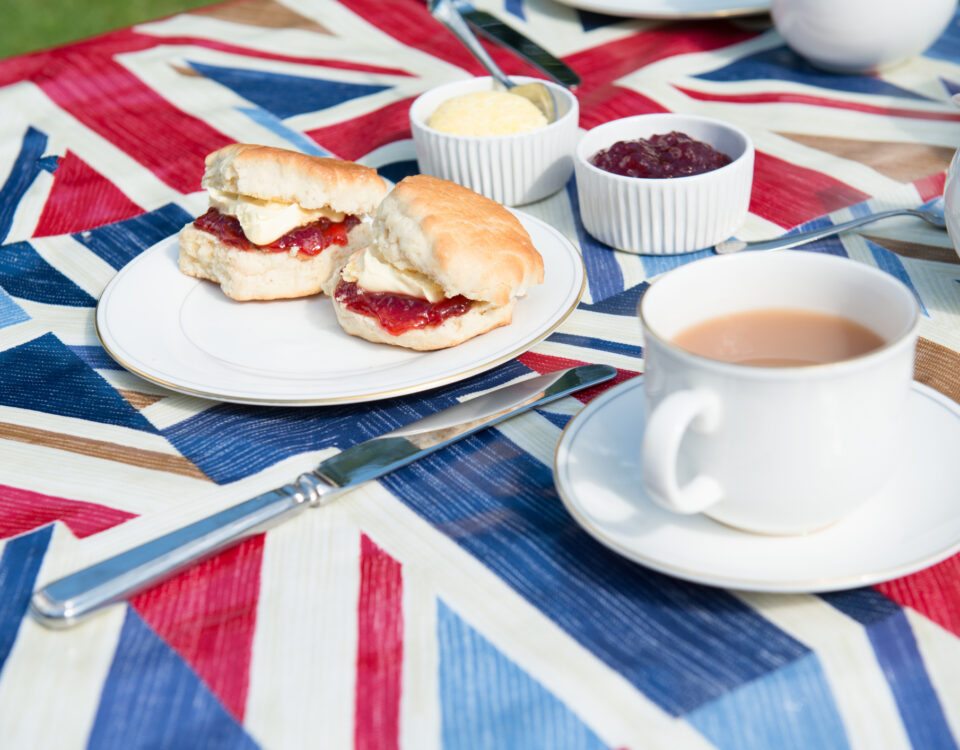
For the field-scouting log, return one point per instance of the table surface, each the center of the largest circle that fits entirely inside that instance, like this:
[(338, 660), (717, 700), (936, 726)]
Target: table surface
[(455, 604)]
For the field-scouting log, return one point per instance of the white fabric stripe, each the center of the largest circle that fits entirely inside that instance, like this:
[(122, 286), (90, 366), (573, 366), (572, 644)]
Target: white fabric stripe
[(57, 712), (30, 208), (594, 356), (20, 333), (303, 664), (72, 325), (614, 709), (534, 433), (74, 260), (176, 408), (940, 651), (50, 471), (124, 436), (623, 329), (420, 720), (870, 714)]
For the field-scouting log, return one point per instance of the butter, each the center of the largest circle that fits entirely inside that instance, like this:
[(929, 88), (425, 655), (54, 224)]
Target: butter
[(368, 271), (264, 221), (487, 113)]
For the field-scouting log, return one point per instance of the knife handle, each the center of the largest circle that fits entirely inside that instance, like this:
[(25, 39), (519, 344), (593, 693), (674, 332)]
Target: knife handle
[(67, 600)]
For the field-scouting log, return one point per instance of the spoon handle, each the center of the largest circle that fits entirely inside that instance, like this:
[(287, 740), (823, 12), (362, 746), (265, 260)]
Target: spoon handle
[(445, 12), (792, 240)]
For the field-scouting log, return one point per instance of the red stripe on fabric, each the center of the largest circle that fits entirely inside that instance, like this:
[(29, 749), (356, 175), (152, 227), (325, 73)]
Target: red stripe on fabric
[(544, 363), (931, 186), (788, 194), (932, 592), (208, 615), (361, 135), (82, 198), (411, 24), (379, 650), (23, 510), (819, 101)]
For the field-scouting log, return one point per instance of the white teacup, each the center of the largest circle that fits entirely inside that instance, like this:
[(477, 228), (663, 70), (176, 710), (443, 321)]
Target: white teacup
[(777, 450)]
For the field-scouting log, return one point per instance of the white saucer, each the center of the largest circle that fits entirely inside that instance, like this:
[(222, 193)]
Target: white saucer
[(912, 524)]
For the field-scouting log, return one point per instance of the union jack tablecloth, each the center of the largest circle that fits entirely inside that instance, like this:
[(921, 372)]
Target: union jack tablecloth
[(454, 604)]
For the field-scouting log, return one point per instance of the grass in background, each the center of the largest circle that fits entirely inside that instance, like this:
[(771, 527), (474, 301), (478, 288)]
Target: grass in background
[(30, 25)]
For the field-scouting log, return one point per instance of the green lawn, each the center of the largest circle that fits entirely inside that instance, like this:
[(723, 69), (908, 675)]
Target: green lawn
[(30, 25)]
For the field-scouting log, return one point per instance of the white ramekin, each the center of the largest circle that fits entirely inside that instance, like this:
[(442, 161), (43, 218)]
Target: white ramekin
[(665, 216), (511, 169)]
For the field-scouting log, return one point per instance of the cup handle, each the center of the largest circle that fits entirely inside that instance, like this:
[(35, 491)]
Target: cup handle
[(666, 426)]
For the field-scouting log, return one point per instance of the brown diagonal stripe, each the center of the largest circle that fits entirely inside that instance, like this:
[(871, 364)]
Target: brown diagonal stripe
[(916, 249), (138, 400), (139, 457), (903, 162), (186, 70), (264, 13), (939, 367)]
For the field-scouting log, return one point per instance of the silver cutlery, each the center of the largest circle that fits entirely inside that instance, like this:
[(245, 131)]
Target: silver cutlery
[(932, 215), (446, 13), (69, 599)]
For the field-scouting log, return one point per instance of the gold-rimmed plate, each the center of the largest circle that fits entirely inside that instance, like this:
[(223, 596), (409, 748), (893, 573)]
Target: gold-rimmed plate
[(911, 524), (186, 335), (672, 9)]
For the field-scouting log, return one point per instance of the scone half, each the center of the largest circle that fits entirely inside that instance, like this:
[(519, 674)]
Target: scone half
[(280, 223), (445, 264)]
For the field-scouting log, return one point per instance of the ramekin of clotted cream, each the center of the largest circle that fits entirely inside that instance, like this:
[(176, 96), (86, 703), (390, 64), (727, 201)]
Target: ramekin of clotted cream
[(487, 113), (497, 151)]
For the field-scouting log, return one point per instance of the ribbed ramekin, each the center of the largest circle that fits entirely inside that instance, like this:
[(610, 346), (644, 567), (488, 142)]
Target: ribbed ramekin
[(665, 216), (511, 169)]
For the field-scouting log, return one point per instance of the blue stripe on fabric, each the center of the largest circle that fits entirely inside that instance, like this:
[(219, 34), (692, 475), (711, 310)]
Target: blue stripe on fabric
[(397, 170), (25, 169), (487, 702), (895, 645), (152, 699), (604, 276), (864, 605), (122, 241), (589, 342), (590, 20), (951, 86), (657, 264), (782, 63), (10, 312), (275, 125), (558, 420), (95, 357), (891, 263), (680, 644), (285, 95), (945, 48), (515, 8), (232, 441), (19, 566), (624, 303), (790, 708), (24, 273), (44, 375)]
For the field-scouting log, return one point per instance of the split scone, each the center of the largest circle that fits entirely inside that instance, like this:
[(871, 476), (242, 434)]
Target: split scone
[(445, 264), (280, 223)]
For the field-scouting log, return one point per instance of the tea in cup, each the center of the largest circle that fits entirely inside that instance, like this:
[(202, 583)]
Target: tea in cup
[(776, 387)]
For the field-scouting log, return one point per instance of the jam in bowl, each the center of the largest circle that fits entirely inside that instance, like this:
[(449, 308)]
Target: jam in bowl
[(684, 182)]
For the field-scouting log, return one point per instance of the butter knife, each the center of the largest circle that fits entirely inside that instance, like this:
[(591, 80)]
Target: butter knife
[(69, 599), (493, 28)]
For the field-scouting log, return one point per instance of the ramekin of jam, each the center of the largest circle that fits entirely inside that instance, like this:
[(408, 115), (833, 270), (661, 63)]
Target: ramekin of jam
[(664, 184)]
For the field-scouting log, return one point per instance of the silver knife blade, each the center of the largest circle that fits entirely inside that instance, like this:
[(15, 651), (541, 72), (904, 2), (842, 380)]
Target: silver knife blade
[(496, 30), (69, 599)]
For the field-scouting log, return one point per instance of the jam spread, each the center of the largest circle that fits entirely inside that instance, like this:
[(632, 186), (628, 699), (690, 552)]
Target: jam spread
[(660, 156), (309, 239), (398, 313)]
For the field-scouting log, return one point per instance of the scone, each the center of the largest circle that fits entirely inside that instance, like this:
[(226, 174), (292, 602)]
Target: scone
[(280, 223), (445, 265)]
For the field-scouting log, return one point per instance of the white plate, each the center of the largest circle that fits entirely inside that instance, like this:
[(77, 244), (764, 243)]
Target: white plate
[(672, 8), (186, 335), (912, 524)]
